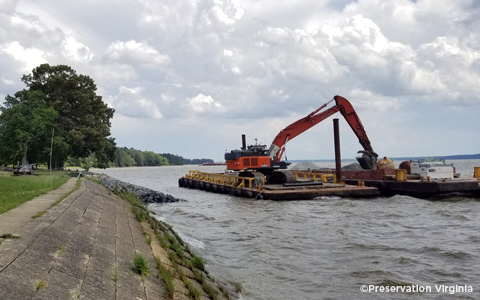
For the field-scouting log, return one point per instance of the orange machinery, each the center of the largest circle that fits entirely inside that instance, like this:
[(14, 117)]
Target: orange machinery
[(257, 157)]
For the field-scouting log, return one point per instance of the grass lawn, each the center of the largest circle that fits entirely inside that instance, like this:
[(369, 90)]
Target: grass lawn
[(15, 190)]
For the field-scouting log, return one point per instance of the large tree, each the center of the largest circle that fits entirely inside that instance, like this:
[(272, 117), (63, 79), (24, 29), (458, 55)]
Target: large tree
[(83, 118), (26, 125)]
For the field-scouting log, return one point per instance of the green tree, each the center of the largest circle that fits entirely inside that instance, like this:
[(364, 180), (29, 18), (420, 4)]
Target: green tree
[(26, 124), (173, 159), (83, 118), (138, 156), (123, 158), (154, 159), (106, 154)]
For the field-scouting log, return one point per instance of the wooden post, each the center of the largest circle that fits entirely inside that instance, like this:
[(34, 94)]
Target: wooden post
[(338, 160)]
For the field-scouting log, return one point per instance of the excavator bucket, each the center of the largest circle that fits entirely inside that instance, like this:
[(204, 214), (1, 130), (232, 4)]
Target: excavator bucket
[(368, 160)]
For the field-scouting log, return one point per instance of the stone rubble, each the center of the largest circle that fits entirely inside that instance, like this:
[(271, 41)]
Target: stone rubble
[(146, 195)]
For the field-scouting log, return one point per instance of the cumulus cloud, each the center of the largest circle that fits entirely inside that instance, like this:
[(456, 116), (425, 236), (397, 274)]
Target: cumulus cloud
[(130, 103), (230, 12), (76, 51), (169, 14), (202, 104), (30, 57), (134, 52)]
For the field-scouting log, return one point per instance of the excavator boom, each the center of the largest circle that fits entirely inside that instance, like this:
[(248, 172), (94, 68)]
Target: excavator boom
[(368, 160)]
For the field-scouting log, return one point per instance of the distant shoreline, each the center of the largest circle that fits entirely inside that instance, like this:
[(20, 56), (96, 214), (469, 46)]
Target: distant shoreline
[(449, 157)]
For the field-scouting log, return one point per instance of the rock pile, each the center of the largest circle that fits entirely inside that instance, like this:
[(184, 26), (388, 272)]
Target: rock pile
[(146, 195), (352, 167)]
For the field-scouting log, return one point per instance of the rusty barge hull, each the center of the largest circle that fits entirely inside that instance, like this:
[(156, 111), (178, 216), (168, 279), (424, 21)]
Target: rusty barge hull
[(278, 192), (423, 189), (387, 182)]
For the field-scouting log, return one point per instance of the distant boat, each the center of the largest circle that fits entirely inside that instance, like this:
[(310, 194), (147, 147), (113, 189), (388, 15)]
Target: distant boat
[(214, 164)]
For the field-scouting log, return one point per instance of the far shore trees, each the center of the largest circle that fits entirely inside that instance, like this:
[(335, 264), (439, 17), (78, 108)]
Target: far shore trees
[(135, 158), (62, 100)]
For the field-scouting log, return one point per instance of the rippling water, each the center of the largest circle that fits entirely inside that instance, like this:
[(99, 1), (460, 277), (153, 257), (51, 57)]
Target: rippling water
[(326, 248)]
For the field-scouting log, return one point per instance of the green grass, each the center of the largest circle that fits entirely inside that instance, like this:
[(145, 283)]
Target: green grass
[(167, 277), (16, 190), (98, 181), (139, 214), (115, 274), (179, 254), (60, 251), (39, 214), (140, 265), (40, 284), (209, 290), (149, 239), (198, 262), (194, 292), (222, 289), (130, 197), (198, 275), (9, 236)]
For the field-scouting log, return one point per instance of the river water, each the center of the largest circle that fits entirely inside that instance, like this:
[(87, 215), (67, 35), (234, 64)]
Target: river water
[(326, 248)]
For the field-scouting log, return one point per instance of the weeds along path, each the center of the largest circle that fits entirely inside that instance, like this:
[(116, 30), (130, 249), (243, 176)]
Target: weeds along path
[(96, 245)]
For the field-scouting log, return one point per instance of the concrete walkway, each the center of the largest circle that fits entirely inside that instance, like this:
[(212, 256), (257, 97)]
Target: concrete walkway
[(83, 248), (14, 219)]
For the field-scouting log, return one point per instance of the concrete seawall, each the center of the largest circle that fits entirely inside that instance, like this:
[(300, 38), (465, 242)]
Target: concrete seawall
[(84, 248)]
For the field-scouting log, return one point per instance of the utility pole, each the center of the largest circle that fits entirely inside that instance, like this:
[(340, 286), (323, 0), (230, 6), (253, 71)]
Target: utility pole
[(51, 152)]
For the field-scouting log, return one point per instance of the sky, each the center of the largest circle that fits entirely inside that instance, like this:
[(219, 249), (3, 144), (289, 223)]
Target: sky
[(189, 77)]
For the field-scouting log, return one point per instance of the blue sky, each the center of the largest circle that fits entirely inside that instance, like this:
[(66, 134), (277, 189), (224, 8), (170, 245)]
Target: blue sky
[(189, 77)]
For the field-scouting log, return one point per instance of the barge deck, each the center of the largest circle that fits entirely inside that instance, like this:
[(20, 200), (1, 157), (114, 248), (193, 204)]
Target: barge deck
[(310, 185), (251, 188)]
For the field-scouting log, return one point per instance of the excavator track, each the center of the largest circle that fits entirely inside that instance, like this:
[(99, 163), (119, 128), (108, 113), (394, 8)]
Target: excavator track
[(281, 177), (271, 176)]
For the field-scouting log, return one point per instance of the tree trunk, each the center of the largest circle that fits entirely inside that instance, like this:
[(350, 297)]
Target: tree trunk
[(24, 158)]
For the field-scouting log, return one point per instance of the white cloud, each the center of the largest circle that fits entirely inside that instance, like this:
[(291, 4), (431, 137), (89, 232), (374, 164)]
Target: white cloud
[(130, 103), (368, 101), (230, 13), (30, 57), (137, 53), (76, 51), (203, 104)]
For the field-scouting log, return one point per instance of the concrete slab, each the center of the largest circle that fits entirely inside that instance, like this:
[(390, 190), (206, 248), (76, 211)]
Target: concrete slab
[(59, 286), (104, 291), (72, 262)]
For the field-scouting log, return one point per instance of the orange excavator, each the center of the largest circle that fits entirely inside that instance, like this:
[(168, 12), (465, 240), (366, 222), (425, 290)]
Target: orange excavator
[(258, 158)]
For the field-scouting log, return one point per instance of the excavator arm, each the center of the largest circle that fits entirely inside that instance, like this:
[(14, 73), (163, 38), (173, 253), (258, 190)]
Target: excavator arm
[(368, 160)]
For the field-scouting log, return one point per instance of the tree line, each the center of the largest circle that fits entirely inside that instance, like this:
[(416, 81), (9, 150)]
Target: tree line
[(130, 157), (126, 157)]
